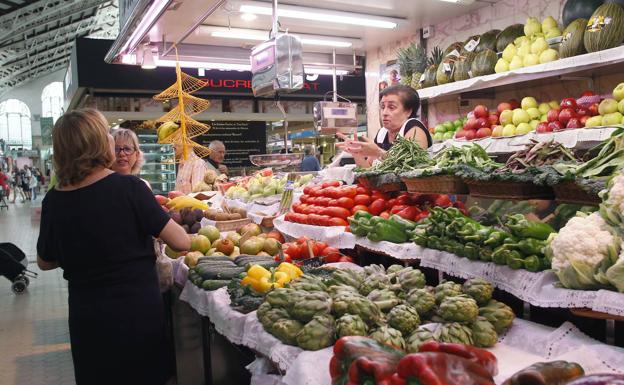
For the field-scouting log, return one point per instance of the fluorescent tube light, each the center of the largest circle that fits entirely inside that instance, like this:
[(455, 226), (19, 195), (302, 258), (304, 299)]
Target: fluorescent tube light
[(324, 71), (250, 34), (316, 14), (237, 66), (148, 20), (249, 16), (148, 59)]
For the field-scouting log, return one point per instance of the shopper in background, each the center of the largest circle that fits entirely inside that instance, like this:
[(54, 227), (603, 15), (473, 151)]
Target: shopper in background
[(310, 162), (4, 185), (26, 174), (128, 156), (399, 107), (190, 171), (33, 184), (215, 159), (16, 182), (97, 225)]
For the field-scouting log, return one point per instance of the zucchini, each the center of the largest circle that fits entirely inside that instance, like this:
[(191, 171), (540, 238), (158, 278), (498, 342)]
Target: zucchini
[(214, 284), (220, 272), (215, 258)]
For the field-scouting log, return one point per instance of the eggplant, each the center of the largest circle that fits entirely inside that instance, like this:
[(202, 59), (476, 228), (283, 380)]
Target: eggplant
[(599, 379)]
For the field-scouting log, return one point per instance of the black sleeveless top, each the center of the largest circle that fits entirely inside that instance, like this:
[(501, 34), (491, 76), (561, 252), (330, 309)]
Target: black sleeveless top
[(384, 143)]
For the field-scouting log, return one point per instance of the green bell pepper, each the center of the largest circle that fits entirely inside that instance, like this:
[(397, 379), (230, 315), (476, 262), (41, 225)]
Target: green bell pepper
[(496, 238), (405, 223), (362, 214), (529, 246), (434, 242), (387, 231), (485, 254), (533, 263), (514, 260), (471, 251), (499, 255), (360, 227), (420, 240), (524, 228)]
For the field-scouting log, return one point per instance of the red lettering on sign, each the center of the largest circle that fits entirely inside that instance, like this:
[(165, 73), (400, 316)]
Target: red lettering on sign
[(228, 83), (214, 84)]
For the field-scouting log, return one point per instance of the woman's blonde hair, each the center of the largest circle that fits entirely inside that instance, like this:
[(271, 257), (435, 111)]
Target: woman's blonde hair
[(125, 135), (81, 145)]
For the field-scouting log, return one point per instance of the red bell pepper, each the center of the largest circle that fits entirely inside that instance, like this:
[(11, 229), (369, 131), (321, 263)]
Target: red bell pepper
[(422, 215), (396, 208), (480, 356), (403, 199), (436, 368), (443, 201), (410, 212)]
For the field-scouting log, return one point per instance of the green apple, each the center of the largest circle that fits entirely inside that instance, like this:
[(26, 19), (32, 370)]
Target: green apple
[(438, 136), (530, 59), (520, 116), (458, 123), (544, 118), (509, 130), (515, 63), (506, 117), (448, 126), (509, 52), (612, 119), (533, 113), (528, 102), (439, 129), (543, 108), (618, 92), (621, 106), (607, 106), (523, 128), (553, 104), (594, 121), (534, 124), (448, 135), (548, 55)]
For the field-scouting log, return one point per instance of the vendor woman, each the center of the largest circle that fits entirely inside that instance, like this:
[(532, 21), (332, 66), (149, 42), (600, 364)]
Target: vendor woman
[(399, 106)]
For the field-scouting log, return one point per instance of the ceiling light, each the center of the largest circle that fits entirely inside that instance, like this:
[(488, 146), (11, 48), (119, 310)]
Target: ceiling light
[(327, 16), (148, 59), (324, 71), (146, 23), (237, 66), (249, 16), (252, 34), (465, 2)]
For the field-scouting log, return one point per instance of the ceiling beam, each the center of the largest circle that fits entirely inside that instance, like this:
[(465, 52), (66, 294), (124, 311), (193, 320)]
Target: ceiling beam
[(65, 49), (25, 79), (27, 70), (6, 21)]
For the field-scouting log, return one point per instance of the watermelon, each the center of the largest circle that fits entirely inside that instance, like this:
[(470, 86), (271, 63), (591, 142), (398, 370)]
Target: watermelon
[(457, 46), (430, 76), (579, 9), (484, 63), (508, 35), (461, 71), (572, 40), (443, 75), (464, 51), (605, 28), (488, 41)]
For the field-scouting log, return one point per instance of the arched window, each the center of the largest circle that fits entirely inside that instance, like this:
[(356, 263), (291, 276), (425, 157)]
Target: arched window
[(15, 123), (52, 100)]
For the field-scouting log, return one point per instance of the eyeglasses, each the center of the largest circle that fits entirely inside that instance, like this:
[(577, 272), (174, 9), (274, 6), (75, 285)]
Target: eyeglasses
[(126, 150)]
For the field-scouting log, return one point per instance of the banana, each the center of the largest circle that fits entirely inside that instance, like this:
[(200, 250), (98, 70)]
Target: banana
[(186, 201), (166, 129)]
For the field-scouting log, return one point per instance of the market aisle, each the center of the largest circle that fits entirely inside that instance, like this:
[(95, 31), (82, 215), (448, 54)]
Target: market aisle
[(33, 327)]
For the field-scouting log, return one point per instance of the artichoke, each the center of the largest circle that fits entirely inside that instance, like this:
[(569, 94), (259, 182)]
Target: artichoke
[(350, 325), (394, 269), (357, 305), (460, 308), (263, 309), (499, 314), (447, 289), (404, 318), (283, 297), (454, 332), (483, 333), (411, 279), (286, 330), (375, 281), (384, 299), (318, 333), (389, 336), (272, 316), (308, 283), (310, 304), (374, 269), (338, 290), (422, 300), (419, 337), (346, 277), (479, 289)]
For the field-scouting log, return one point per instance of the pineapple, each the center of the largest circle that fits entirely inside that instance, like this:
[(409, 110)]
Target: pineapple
[(412, 62), (434, 61), (403, 60)]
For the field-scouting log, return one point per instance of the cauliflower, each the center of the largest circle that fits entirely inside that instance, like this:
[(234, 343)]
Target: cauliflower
[(581, 248), (616, 193), (612, 207)]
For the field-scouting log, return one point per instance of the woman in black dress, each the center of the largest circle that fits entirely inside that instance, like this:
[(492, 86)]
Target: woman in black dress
[(399, 107), (97, 226)]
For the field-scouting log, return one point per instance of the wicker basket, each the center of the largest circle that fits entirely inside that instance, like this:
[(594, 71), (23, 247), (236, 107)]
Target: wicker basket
[(570, 192), (232, 225), (508, 190), (437, 184), (381, 182)]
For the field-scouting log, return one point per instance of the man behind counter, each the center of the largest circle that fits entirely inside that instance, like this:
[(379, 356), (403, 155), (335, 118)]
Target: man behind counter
[(217, 155)]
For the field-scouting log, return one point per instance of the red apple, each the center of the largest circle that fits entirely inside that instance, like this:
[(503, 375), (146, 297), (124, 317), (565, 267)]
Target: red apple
[(588, 93), (503, 106), (569, 103), (566, 114), (555, 126), (583, 119), (514, 104), (574, 123), (593, 109), (460, 134), (481, 111), (542, 128), (484, 132), (483, 122), (493, 119), (553, 115), (471, 124), (582, 111), (470, 134)]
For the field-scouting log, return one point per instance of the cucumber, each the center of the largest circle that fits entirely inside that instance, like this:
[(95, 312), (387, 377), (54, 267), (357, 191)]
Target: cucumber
[(220, 272), (216, 258), (214, 284)]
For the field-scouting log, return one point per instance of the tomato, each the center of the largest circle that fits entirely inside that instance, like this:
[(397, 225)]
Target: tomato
[(317, 191), (347, 229), (304, 198), (322, 246), (349, 191), (332, 192), (292, 250), (307, 190), (316, 249), (338, 212), (347, 203), (331, 183), (379, 195), (357, 208), (403, 199), (304, 252), (331, 254), (324, 220), (345, 258), (362, 199), (377, 206), (396, 208), (338, 222), (302, 239), (287, 258), (385, 215), (288, 217), (391, 202), (443, 201), (321, 201), (296, 207), (362, 190)]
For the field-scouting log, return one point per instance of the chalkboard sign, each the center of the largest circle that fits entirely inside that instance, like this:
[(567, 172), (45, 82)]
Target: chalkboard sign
[(241, 139), (46, 130)]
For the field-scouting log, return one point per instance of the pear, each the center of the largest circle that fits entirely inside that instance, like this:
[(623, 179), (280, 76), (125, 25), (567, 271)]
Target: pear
[(532, 26), (515, 63), (539, 45), (548, 56), (502, 65), (554, 32), (509, 52), (530, 60), (549, 23)]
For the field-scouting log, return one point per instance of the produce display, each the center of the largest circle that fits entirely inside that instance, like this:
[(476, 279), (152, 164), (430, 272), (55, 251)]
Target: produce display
[(304, 249), (404, 155), (215, 272), (447, 130), (263, 184), (447, 161)]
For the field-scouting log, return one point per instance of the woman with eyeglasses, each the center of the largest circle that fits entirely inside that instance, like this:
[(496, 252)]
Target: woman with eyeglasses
[(128, 155)]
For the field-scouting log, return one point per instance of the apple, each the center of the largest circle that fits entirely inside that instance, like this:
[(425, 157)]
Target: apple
[(593, 109), (484, 132), (509, 130), (612, 119), (447, 135), (460, 134), (470, 134), (594, 121), (448, 126), (544, 118), (523, 128), (555, 126), (514, 104), (568, 103), (457, 124), (438, 136), (607, 106), (566, 114), (481, 111), (618, 92), (582, 111), (621, 106), (471, 124), (533, 112), (483, 122), (502, 107), (584, 119), (589, 93), (574, 123), (493, 120), (439, 129), (520, 116), (534, 124), (553, 115), (543, 108), (528, 102), (506, 117), (542, 128), (553, 104), (497, 131)]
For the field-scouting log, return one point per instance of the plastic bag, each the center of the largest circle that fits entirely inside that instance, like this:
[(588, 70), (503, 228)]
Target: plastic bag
[(163, 268)]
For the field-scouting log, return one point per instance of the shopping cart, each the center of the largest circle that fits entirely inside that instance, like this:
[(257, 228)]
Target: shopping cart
[(13, 265)]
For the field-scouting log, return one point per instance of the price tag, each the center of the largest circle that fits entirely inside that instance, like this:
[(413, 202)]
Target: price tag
[(447, 67), (422, 78), (472, 44), (469, 73), (453, 53)]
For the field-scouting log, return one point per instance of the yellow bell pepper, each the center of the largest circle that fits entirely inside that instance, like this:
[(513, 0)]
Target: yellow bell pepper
[(265, 284), (257, 272), (290, 269), (281, 278)]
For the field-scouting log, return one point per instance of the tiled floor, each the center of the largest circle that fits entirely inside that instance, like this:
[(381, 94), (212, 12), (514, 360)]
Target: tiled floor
[(34, 337)]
